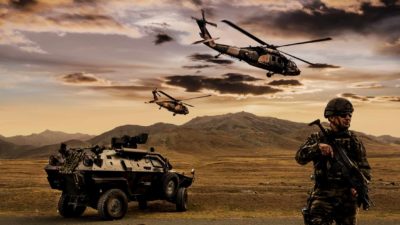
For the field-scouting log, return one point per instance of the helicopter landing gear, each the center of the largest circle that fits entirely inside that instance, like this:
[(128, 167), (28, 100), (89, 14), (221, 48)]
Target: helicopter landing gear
[(269, 74), (217, 55)]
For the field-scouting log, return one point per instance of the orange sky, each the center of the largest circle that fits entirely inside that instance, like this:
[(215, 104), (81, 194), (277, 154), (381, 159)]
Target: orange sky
[(89, 67)]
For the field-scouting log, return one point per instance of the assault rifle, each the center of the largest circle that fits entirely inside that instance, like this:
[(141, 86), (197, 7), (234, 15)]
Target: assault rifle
[(349, 169)]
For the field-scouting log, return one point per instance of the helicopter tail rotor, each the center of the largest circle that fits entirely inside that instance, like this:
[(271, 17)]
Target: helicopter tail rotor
[(203, 19), (155, 91), (155, 95), (208, 40)]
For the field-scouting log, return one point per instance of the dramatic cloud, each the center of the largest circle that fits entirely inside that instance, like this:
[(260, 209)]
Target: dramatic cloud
[(137, 89), (317, 19), (159, 30), (197, 2), (57, 17), (124, 88), (285, 82), (163, 24), (162, 38), (125, 92), (209, 58), (16, 38), (23, 4), (228, 84), (84, 79), (390, 98), (197, 66), (134, 89), (367, 85), (350, 76), (371, 98), (79, 78), (88, 18), (237, 77), (322, 66), (356, 97), (85, 1), (390, 48)]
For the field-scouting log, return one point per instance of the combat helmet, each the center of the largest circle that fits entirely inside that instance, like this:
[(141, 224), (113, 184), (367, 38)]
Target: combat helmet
[(338, 106)]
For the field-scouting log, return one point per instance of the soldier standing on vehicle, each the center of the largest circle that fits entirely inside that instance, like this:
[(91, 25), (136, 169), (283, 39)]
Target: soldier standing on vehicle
[(333, 197)]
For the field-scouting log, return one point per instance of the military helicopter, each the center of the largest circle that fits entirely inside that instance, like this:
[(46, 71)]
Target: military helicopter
[(266, 56), (174, 105)]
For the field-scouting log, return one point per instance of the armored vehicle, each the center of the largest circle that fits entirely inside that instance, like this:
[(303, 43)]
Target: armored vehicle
[(107, 179)]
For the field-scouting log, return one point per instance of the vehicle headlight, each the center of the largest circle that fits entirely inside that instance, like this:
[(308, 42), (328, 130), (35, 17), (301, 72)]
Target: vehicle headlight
[(87, 161)]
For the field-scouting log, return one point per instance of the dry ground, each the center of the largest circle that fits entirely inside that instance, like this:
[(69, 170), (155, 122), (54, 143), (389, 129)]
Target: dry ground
[(225, 187)]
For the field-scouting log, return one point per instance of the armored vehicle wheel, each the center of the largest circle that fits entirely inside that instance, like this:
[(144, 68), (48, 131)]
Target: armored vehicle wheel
[(181, 200), (67, 210), (170, 185), (112, 205)]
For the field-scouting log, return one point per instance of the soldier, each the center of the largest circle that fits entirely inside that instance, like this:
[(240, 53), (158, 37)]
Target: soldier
[(59, 158), (333, 198)]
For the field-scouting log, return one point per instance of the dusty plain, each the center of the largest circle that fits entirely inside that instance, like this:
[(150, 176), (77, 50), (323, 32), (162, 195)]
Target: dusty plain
[(263, 185)]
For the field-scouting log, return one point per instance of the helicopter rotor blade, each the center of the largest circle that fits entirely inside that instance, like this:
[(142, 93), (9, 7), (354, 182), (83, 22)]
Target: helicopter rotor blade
[(296, 57), (306, 42), (169, 96), (205, 41), (196, 97), (187, 104), (247, 33), (211, 23)]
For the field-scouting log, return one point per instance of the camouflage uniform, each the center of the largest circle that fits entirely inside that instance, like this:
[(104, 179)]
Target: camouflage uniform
[(331, 200)]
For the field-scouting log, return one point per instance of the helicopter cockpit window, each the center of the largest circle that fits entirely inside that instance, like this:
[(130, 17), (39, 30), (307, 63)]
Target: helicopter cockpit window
[(291, 64), (252, 55)]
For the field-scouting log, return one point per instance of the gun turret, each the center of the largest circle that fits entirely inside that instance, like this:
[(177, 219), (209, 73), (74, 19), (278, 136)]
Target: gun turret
[(129, 141)]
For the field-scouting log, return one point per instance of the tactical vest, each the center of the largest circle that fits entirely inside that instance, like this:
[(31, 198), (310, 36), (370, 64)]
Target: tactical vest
[(327, 172)]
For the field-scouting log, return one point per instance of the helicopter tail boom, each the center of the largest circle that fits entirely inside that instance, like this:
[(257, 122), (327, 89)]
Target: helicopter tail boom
[(208, 40)]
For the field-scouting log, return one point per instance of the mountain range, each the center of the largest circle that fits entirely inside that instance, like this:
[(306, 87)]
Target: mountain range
[(234, 133), (46, 137)]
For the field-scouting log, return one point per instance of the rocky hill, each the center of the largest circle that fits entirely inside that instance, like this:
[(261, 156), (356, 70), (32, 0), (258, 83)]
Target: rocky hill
[(9, 150), (389, 139), (45, 151), (46, 137), (235, 133), (104, 138)]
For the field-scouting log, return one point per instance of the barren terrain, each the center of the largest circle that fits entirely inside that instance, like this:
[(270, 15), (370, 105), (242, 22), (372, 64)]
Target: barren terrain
[(264, 185), (245, 169)]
